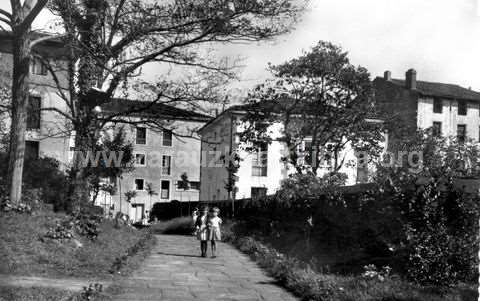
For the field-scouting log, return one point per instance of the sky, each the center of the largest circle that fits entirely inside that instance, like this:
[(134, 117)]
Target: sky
[(438, 38)]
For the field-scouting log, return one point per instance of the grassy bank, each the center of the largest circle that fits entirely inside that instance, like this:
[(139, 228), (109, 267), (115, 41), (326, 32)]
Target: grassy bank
[(26, 251), (309, 284)]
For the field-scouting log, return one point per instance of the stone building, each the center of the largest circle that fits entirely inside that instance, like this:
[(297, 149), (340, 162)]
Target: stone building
[(47, 133), (450, 110), (162, 154)]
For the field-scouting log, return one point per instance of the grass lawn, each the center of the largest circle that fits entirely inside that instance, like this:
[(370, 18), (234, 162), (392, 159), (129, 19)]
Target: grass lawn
[(23, 251)]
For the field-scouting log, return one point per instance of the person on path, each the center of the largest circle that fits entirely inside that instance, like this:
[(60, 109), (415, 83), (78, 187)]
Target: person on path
[(195, 214), (214, 232), (201, 225)]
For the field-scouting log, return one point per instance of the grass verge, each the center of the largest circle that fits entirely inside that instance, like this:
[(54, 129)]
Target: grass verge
[(304, 282), (24, 251)]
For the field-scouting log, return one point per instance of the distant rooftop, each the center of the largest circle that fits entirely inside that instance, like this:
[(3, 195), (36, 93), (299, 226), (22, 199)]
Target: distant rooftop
[(433, 89), (53, 46), (148, 109)]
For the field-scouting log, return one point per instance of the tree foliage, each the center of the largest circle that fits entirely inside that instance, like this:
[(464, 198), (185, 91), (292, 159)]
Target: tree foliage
[(320, 96), (111, 40), (439, 214)]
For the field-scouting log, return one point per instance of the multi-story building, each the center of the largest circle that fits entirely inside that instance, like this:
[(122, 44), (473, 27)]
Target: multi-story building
[(162, 154), (449, 109), (46, 129), (259, 173)]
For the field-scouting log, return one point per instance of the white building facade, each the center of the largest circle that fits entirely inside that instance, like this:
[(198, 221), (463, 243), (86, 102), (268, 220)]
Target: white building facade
[(259, 173)]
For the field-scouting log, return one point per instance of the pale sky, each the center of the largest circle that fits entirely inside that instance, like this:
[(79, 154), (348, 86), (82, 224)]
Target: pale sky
[(439, 38)]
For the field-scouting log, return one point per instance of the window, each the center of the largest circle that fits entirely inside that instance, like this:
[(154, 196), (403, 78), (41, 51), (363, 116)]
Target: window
[(141, 136), (258, 192), (260, 161), (32, 149), (165, 190), (461, 133), (140, 159), (38, 67), (362, 168), (437, 129), (139, 184), (307, 153), (33, 113), (166, 165), (437, 105), (167, 138), (462, 107), (193, 185)]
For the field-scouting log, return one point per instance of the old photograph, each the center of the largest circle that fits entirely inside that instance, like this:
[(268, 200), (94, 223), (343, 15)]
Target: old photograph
[(270, 150)]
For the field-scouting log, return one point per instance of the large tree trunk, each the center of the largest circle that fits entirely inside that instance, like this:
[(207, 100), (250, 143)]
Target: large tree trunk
[(79, 190), (20, 95)]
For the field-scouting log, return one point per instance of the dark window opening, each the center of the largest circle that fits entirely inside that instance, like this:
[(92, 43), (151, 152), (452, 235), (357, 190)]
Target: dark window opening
[(140, 159), (260, 161), (167, 138), (461, 133), (139, 184), (141, 136), (462, 108), (165, 190), (38, 67), (166, 165), (437, 129), (194, 185), (258, 192), (437, 105), (33, 113), (32, 150)]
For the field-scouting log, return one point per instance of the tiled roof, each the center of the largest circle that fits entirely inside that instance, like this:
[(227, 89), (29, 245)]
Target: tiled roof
[(442, 90), (144, 108)]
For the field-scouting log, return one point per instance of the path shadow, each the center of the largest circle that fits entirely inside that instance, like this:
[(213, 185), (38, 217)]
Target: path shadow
[(179, 255)]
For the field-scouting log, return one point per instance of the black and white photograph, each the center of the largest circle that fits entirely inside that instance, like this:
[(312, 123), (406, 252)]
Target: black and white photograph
[(239, 150)]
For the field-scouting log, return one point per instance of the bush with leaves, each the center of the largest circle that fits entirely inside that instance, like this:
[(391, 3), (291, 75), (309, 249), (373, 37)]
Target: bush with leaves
[(439, 217), (61, 230), (88, 224)]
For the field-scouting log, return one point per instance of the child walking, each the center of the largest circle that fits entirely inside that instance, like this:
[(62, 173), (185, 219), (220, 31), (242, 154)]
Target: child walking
[(201, 225), (214, 232)]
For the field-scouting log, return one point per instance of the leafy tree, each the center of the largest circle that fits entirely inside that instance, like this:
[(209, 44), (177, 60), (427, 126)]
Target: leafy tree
[(151, 192), (439, 215), (111, 144), (111, 40), (184, 184), (320, 96)]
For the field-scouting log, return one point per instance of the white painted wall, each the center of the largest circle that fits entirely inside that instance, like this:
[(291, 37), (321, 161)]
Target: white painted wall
[(217, 135), (449, 117)]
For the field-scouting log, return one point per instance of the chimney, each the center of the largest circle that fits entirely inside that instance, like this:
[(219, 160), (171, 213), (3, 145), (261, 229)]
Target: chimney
[(387, 75), (411, 79)]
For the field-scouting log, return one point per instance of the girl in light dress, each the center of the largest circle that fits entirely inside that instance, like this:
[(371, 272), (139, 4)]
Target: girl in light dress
[(214, 232)]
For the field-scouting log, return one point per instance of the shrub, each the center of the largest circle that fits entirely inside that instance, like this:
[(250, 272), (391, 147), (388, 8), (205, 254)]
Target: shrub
[(311, 285), (62, 230), (179, 226)]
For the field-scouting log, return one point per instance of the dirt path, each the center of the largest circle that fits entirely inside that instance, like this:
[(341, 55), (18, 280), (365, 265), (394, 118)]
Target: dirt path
[(174, 271)]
